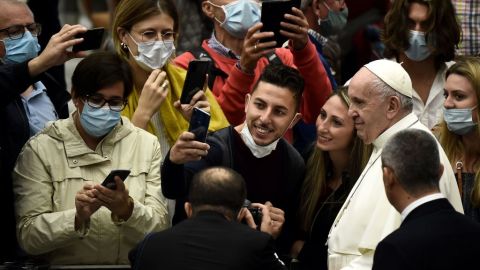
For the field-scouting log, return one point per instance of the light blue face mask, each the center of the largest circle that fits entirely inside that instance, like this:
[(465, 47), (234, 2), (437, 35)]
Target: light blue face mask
[(98, 122), (459, 121), (21, 50), (418, 50), (240, 15), (334, 23)]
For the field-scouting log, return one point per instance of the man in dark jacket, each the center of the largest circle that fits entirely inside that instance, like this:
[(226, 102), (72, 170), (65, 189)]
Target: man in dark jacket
[(271, 167), (30, 97), (432, 234), (211, 238)]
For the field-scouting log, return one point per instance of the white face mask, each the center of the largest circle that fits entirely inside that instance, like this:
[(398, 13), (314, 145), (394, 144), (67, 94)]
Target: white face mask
[(153, 55), (257, 150)]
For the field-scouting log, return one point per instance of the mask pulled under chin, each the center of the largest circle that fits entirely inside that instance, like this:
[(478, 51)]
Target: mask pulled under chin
[(257, 150)]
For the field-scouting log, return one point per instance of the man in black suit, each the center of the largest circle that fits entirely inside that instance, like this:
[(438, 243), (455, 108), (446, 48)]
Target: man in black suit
[(212, 238), (432, 234)]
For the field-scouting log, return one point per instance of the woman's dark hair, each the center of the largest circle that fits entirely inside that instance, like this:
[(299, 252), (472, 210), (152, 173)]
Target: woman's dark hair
[(442, 29), (100, 70)]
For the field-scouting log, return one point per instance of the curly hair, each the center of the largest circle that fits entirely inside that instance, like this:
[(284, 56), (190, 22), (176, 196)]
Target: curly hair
[(442, 29)]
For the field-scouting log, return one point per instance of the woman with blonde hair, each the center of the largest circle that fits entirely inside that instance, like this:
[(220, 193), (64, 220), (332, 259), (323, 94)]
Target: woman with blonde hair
[(460, 133), (333, 165)]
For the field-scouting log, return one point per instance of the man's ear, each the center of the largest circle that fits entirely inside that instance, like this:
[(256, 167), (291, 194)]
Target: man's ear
[(393, 107), (188, 209), (247, 99), (316, 8), (207, 9), (388, 178)]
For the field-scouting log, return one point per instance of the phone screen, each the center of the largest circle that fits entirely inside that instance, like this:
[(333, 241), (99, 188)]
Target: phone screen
[(195, 79), (199, 124), (273, 13), (92, 40), (109, 181)]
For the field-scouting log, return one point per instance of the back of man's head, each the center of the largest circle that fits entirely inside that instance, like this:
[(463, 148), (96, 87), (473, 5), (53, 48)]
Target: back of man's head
[(286, 77), (217, 189), (413, 156)]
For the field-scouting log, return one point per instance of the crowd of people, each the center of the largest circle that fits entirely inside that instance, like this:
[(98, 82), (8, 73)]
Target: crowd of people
[(305, 166)]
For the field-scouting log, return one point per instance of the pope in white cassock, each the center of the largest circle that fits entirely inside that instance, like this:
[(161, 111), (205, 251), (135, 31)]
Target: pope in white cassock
[(381, 105)]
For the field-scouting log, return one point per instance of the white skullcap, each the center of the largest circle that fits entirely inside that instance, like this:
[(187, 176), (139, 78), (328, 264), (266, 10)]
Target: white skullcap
[(393, 74)]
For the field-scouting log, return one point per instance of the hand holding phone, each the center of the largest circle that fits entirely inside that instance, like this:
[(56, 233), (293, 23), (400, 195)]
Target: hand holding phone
[(199, 124), (195, 79), (109, 181), (92, 40), (273, 13)]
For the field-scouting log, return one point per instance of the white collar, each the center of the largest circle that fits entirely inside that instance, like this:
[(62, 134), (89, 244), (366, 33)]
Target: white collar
[(419, 202)]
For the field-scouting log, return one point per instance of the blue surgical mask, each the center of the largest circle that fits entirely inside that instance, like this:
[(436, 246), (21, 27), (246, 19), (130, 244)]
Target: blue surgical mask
[(418, 50), (98, 122), (334, 23), (154, 54), (21, 50), (459, 121), (240, 15)]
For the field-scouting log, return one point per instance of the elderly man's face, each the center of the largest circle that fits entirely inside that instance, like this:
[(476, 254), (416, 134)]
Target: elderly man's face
[(14, 15), (368, 109)]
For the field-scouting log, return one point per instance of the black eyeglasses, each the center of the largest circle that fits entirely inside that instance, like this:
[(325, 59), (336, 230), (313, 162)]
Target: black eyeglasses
[(97, 102), (17, 31)]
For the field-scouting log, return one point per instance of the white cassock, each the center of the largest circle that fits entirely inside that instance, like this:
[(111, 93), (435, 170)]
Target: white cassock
[(367, 217)]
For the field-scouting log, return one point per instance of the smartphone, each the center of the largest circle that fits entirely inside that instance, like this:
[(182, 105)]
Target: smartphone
[(273, 13), (195, 79), (92, 40), (109, 181), (199, 124)]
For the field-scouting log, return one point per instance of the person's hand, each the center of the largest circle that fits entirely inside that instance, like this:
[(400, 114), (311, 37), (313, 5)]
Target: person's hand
[(55, 53), (253, 49), (154, 92), (295, 28), (187, 149), (86, 204), (272, 218), (199, 100), (117, 201)]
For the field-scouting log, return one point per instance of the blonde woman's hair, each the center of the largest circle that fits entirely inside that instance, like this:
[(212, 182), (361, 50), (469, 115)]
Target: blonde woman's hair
[(469, 68)]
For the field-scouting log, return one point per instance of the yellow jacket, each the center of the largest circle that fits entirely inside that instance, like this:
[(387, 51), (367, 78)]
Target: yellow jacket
[(173, 120)]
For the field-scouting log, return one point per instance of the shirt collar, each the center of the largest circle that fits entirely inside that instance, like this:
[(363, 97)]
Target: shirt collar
[(404, 123), (419, 202), (220, 48)]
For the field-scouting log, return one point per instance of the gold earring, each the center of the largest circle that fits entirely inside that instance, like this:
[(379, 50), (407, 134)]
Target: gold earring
[(124, 46)]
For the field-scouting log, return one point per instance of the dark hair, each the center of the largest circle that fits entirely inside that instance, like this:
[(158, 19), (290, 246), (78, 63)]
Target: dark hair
[(441, 27), (100, 70), (283, 76), (130, 12), (413, 155), (219, 189)]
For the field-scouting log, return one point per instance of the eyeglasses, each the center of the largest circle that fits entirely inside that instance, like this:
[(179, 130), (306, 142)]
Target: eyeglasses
[(17, 31), (97, 102), (149, 36)]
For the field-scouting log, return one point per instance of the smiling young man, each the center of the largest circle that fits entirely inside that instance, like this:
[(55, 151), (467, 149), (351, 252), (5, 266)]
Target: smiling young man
[(271, 167)]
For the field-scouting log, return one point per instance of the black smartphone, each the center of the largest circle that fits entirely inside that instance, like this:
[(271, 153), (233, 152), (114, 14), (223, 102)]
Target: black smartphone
[(273, 12), (92, 40), (199, 124), (195, 79), (109, 181)]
